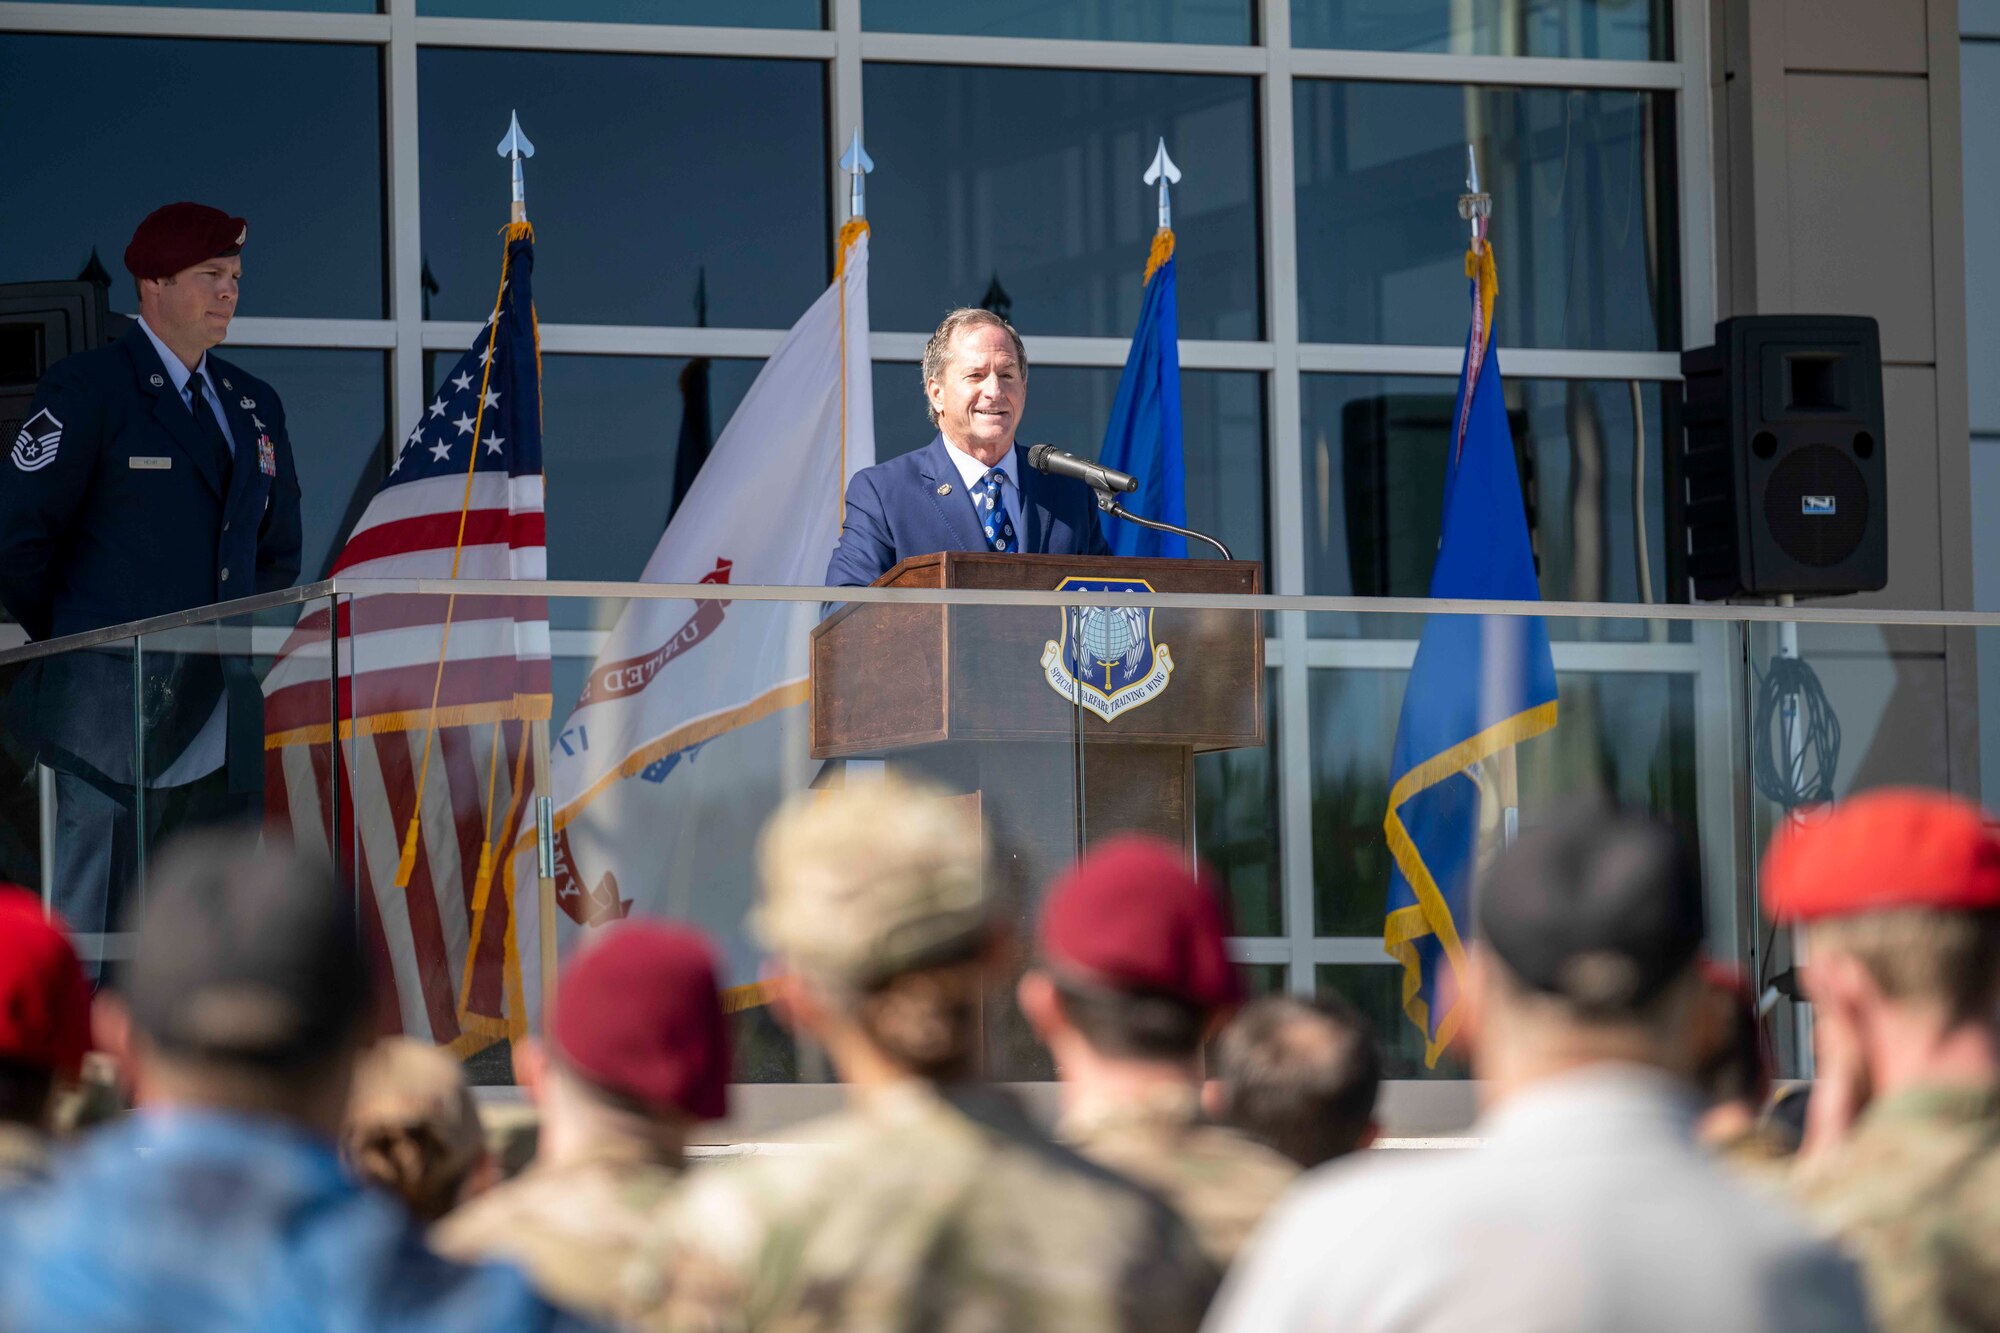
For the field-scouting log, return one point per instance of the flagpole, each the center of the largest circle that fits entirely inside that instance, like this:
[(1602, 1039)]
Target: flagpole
[(514, 148)]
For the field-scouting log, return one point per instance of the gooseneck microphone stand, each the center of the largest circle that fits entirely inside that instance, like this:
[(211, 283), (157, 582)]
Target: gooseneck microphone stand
[(1108, 502)]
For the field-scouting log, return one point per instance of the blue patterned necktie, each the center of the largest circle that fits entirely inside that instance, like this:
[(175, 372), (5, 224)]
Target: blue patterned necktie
[(992, 513)]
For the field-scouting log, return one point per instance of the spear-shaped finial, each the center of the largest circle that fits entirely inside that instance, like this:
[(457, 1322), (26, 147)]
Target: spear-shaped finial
[(857, 164), (515, 147), (1475, 205), (1165, 172)]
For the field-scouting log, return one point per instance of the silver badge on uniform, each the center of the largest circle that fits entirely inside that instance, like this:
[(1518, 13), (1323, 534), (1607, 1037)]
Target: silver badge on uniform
[(157, 381), (35, 447), (247, 404), (226, 384)]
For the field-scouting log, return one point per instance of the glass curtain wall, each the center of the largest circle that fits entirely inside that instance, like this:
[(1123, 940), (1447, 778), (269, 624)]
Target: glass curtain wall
[(686, 204)]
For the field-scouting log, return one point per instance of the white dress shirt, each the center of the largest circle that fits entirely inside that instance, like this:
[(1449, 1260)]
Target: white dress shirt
[(1587, 1208), (972, 470)]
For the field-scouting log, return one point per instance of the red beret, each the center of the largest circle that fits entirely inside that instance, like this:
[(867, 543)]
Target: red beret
[(638, 1014), (44, 1000), (180, 236), (1896, 847), (1131, 915)]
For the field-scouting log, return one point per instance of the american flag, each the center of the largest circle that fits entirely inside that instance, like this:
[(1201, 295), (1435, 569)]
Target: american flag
[(433, 693)]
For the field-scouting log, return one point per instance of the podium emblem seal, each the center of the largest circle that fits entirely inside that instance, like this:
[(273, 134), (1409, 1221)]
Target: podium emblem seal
[(1105, 657)]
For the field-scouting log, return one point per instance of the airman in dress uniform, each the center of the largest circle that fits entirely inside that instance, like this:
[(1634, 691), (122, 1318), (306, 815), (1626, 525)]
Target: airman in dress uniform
[(932, 1202), (1899, 895), (637, 1055), (151, 477), (1134, 973)]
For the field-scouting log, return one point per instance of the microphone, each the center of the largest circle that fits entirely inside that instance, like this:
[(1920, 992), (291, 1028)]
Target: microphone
[(1057, 463)]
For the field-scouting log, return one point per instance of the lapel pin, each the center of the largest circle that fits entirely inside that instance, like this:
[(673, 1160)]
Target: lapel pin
[(945, 489), (247, 404), (157, 381), (227, 385), (256, 421)]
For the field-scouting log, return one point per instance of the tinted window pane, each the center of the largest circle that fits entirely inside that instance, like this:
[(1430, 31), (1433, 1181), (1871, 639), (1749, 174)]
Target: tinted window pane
[(1584, 213), (1029, 180), (649, 171), (1375, 452), (709, 13), (1236, 825), (314, 6), (289, 136), (1602, 29), (1223, 22), (337, 412), (1377, 991), (1623, 737), (1222, 434)]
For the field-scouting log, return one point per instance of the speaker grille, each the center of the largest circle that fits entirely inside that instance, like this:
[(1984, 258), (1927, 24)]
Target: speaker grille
[(1816, 504)]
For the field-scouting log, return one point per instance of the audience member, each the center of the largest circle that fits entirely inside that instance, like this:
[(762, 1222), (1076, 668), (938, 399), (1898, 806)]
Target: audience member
[(413, 1128), (1299, 1076), (637, 1055), (932, 1201), (44, 1032), (1589, 1205), (220, 1203), (1734, 1078), (1898, 894), (1133, 973)]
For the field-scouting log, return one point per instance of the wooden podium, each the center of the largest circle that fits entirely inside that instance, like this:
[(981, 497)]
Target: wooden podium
[(962, 695)]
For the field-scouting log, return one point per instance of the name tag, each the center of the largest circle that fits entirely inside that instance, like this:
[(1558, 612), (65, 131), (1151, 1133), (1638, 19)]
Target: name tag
[(151, 464)]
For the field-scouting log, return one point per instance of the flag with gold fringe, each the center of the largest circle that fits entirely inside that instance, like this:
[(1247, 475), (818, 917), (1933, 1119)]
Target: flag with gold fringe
[(1143, 438), (435, 695), (1480, 685)]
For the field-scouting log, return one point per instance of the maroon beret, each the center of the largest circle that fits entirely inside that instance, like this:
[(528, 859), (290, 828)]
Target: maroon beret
[(1889, 848), (638, 1014), (44, 1000), (1133, 916), (179, 236)]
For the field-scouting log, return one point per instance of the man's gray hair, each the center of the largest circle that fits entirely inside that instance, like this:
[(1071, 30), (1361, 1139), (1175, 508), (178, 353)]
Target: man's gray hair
[(939, 347)]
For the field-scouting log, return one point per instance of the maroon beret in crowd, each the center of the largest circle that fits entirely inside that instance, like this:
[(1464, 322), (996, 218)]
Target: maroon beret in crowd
[(1895, 847), (179, 236), (44, 1000), (639, 1015), (1133, 916)]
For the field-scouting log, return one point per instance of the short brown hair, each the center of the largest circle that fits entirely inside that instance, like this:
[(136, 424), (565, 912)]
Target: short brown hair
[(1300, 1076), (1921, 955), (939, 347)]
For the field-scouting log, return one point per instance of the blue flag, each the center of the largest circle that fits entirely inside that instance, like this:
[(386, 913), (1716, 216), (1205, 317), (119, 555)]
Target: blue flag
[(1479, 685), (1144, 437)]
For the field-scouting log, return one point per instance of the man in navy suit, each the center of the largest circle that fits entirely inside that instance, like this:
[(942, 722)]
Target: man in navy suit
[(969, 489), (150, 477)]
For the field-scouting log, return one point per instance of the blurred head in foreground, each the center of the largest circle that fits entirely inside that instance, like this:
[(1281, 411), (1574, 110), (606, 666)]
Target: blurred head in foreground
[(1132, 962), (1588, 930), (250, 990), (875, 902), (1733, 1073), (1898, 893), (44, 1029), (413, 1129), (1299, 1075)]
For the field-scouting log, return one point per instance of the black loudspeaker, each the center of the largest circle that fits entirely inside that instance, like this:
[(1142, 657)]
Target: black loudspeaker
[(40, 324), (1782, 461)]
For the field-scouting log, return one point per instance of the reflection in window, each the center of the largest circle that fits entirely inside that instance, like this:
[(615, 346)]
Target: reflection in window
[(1236, 825), (1375, 453), (1626, 737), (1070, 406), (706, 13), (336, 412), (1594, 29), (304, 167), (310, 6), (1377, 991), (1021, 187), (1218, 22), (652, 174), (1584, 213)]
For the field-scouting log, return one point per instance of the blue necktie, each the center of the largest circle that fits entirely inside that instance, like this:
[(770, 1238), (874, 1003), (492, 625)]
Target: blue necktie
[(992, 513)]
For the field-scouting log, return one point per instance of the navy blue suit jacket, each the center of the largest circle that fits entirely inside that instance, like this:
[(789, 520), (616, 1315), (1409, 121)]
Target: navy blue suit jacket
[(894, 511), (126, 516)]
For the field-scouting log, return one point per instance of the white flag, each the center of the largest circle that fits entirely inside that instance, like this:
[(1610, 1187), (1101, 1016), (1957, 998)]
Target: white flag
[(691, 724)]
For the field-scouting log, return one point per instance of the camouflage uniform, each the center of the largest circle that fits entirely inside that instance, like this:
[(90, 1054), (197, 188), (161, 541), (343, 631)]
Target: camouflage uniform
[(25, 1156), (920, 1208), (571, 1227), (1217, 1179), (1915, 1191)]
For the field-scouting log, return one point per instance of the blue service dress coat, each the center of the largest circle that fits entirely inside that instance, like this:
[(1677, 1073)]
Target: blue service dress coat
[(113, 508), (894, 511)]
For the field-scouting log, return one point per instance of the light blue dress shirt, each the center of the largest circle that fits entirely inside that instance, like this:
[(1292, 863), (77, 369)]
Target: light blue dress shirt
[(180, 374)]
